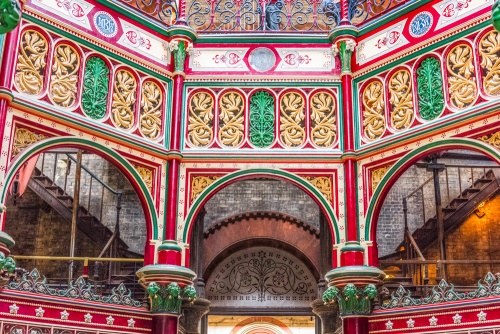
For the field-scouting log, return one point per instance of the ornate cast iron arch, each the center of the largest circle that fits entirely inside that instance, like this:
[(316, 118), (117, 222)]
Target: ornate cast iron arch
[(405, 162), (116, 159), (293, 179)]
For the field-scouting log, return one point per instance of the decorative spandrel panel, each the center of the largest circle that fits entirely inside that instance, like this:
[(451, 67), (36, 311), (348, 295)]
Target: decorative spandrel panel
[(261, 119), (71, 80), (263, 276), (431, 89)]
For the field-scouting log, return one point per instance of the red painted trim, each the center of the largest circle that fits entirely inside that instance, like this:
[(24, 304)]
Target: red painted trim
[(348, 111), (351, 258), (373, 254), (350, 201), (165, 324), (355, 325), (173, 188), (175, 128)]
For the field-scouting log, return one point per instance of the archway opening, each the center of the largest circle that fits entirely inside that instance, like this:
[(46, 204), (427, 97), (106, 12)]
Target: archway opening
[(109, 221), (439, 220)]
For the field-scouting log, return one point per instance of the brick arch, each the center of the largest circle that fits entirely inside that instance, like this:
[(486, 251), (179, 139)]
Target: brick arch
[(266, 320), (261, 229)]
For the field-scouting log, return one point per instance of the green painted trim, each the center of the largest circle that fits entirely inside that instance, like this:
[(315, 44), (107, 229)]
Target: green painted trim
[(7, 240), (465, 143), (169, 93), (116, 136), (116, 158), (357, 116), (357, 271), (2, 40), (166, 269), (185, 31), (283, 84), (392, 16), (94, 47), (167, 245), (232, 177), (352, 247), (253, 37), (427, 49), (352, 31)]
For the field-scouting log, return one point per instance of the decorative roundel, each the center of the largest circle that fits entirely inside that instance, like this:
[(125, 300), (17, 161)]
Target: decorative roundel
[(421, 24), (262, 59), (105, 24)]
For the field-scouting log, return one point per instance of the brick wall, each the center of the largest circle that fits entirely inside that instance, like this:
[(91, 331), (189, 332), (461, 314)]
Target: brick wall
[(132, 220), (390, 225), (261, 195)]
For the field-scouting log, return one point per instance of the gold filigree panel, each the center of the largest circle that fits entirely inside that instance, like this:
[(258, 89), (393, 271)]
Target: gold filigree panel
[(124, 91), (292, 130), (199, 183), (146, 175), (200, 119), (323, 119), (493, 139), (461, 85), (64, 80), (489, 49), (231, 119), (401, 100), (323, 184), (150, 117), (373, 110), (31, 62), (377, 176), (24, 138)]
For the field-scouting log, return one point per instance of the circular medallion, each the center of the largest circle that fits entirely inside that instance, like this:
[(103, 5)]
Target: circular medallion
[(105, 24), (262, 59), (421, 24)]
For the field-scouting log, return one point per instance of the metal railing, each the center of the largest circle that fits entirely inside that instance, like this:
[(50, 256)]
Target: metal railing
[(94, 269)]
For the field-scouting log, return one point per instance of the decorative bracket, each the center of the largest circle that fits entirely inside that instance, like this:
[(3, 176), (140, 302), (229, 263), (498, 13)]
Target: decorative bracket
[(168, 298), (351, 299)]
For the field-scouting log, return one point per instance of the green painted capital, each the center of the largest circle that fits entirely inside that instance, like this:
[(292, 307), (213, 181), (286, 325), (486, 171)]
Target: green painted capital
[(7, 264), (168, 298), (167, 245), (10, 15), (6, 240), (495, 15), (345, 49), (179, 48), (351, 299)]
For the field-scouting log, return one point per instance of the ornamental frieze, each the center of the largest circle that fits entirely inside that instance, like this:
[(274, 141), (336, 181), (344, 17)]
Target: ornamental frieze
[(24, 138), (262, 119)]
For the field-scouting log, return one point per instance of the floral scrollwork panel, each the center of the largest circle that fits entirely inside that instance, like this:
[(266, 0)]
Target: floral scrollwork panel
[(231, 119), (150, 116), (124, 91), (268, 276), (200, 119), (401, 100), (64, 80), (262, 119), (461, 84), (373, 110), (489, 50), (23, 138), (493, 139), (323, 184), (377, 175), (146, 175), (31, 63), (95, 88), (430, 88), (199, 183), (292, 130), (323, 119)]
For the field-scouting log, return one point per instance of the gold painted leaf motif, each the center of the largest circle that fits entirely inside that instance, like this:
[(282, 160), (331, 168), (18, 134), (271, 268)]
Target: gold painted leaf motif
[(146, 175), (31, 63), (373, 111), (64, 78), (489, 49), (123, 99), (201, 106), (199, 183), (292, 119), (377, 176), (323, 119), (401, 99), (493, 139), (231, 128), (24, 138), (150, 118), (323, 184), (461, 85)]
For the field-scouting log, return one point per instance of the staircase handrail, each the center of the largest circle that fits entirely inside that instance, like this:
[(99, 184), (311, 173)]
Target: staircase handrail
[(414, 244), (116, 192)]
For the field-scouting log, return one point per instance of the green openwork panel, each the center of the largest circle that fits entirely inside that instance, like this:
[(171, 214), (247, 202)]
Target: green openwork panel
[(430, 88), (95, 88), (262, 119)]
